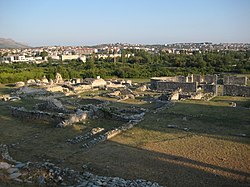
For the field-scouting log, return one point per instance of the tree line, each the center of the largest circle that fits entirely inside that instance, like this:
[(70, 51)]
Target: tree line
[(141, 65)]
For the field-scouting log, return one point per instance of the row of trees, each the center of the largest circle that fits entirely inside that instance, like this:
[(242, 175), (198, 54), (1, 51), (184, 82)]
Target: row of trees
[(142, 65)]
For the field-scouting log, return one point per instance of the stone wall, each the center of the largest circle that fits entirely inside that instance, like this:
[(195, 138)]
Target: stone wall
[(236, 90), (207, 79), (154, 80), (111, 133), (54, 89), (197, 78), (234, 80), (34, 115), (51, 105), (168, 79), (182, 79), (81, 88), (190, 78), (210, 88), (210, 79), (186, 87), (79, 116)]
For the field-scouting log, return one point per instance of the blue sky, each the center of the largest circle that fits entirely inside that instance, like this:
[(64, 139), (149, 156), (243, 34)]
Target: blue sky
[(88, 22)]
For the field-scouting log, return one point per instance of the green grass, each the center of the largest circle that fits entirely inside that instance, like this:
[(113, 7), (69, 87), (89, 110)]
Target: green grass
[(227, 100), (150, 150), (5, 89)]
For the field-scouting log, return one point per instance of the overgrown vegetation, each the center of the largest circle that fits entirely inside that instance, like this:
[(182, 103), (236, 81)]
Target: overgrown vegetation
[(142, 65)]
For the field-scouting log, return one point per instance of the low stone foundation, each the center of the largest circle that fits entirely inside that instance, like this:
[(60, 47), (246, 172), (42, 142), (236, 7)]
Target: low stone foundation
[(52, 105), (35, 115), (111, 133)]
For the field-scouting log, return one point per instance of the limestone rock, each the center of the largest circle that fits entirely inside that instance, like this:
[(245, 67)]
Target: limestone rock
[(15, 175), (31, 82), (20, 84), (41, 180), (51, 82), (172, 126), (58, 78), (44, 80), (12, 170), (20, 165), (142, 88), (4, 165), (131, 96)]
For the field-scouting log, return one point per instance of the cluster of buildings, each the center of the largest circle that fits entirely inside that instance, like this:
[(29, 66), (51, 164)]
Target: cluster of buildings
[(34, 55), (63, 53), (191, 48), (42, 54)]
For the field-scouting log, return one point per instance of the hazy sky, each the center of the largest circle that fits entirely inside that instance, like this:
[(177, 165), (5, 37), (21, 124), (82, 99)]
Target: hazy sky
[(87, 22)]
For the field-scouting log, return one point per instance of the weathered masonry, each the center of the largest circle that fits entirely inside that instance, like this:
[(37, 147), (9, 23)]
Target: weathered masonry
[(188, 83), (236, 90), (234, 80), (186, 87), (210, 88)]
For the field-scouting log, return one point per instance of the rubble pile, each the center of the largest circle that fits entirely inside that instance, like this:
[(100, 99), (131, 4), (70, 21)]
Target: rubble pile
[(86, 136)]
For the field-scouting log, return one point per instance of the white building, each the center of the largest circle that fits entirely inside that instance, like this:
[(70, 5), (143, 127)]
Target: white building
[(71, 57), (15, 58)]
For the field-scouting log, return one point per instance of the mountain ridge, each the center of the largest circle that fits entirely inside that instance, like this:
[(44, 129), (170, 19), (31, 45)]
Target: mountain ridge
[(10, 43)]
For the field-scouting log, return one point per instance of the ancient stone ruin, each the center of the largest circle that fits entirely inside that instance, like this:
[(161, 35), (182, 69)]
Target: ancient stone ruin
[(234, 80), (166, 86), (236, 90), (58, 78), (191, 86), (24, 114), (236, 86)]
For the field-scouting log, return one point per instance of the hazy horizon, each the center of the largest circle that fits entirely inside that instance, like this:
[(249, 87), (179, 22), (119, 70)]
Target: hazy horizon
[(93, 22)]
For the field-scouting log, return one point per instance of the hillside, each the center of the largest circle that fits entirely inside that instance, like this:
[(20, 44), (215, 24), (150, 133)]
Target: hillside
[(9, 43)]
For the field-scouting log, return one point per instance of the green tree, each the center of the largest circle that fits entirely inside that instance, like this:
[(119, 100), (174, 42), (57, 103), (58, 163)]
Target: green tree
[(43, 54)]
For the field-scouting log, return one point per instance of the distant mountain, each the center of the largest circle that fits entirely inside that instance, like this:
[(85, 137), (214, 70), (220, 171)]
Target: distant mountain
[(9, 43)]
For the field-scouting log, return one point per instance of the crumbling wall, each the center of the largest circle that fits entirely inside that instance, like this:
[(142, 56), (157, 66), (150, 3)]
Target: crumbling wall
[(51, 105), (54, 88), (236, 90), (210, 88), (234, 80), (35, 115), (182, 79), (79, 116), (154, 81), (210, 79), (186, 87), (190, 78), (171, 96), (197, 78), (113, 132)]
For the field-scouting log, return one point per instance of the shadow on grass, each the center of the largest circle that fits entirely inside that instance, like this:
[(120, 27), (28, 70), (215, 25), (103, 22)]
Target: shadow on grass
[(114, 159), (202, 119)]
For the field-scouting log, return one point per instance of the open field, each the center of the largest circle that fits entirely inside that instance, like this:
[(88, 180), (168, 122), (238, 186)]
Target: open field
[(210, 151)]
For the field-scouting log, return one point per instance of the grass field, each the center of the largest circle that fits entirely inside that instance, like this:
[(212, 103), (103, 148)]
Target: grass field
[(210, 154)]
